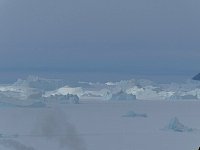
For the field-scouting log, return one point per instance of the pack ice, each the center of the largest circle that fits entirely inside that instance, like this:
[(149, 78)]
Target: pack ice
[(36, 89)]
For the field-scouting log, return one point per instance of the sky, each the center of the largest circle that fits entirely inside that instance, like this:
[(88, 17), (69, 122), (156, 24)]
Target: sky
[(132, 36)]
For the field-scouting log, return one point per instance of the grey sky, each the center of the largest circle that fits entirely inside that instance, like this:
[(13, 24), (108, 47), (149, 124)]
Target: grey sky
[(103, 35)]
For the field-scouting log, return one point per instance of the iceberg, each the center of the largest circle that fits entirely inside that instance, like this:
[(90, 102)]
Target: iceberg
[(65, 91), (40, 83), (122, 96), (176, 126), (133, 114), (19, 93), (63, 99)]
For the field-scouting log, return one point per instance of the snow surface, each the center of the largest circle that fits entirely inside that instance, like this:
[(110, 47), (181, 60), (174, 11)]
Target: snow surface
[(100, 125)]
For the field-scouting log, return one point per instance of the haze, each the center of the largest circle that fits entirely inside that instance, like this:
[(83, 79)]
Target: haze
[(140, 36)]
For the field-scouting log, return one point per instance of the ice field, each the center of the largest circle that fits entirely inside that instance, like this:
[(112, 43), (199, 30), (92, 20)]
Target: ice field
[(109, 116)]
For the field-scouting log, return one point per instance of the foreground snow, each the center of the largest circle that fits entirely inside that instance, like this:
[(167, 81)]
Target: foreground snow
[(102, 125)]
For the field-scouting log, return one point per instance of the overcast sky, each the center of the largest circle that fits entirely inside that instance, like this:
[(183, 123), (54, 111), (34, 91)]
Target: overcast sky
[(101, 35)]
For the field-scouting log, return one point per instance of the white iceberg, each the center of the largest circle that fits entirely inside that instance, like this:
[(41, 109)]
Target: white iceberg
[(65, 91)]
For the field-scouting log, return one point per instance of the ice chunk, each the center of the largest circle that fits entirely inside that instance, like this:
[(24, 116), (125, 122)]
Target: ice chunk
[(176, 126), (134, 114)]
